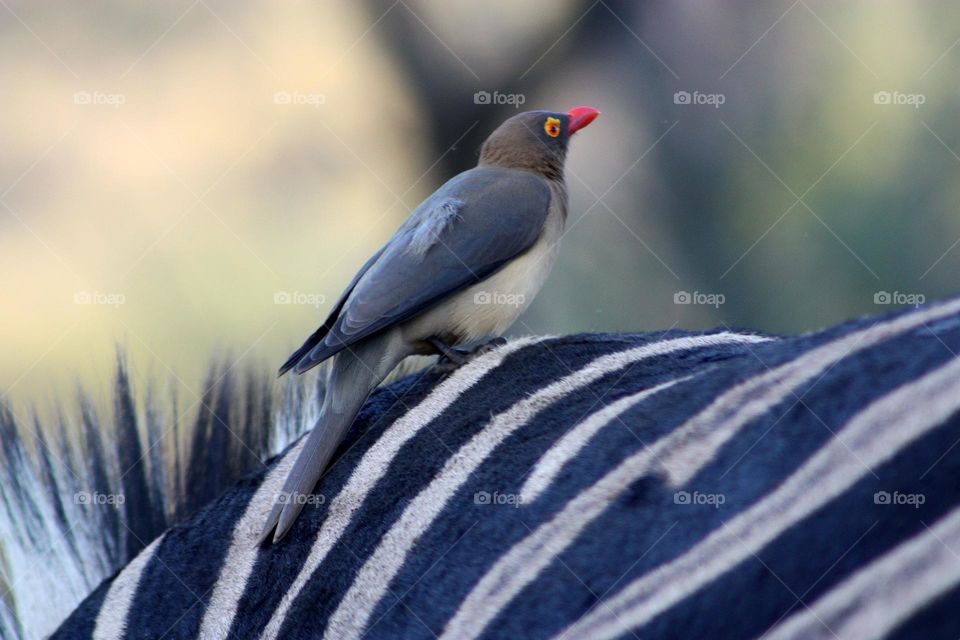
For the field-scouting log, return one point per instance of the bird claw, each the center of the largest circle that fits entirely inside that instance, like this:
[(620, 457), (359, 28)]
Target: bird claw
[(454, 358), (487, 347)]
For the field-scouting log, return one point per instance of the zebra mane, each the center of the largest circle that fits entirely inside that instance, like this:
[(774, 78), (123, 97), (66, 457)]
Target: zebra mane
[(84, 493)]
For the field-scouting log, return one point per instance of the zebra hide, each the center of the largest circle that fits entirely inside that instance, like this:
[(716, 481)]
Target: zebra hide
[(677, 485)]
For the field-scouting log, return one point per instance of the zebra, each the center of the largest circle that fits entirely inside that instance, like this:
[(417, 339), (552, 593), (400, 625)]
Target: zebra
[(722, 484)]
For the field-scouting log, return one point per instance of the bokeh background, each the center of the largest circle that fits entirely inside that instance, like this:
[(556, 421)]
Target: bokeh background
[(193, 178)]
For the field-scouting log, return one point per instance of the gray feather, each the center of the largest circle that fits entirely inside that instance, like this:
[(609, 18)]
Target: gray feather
[(435, 222), (441, 249)]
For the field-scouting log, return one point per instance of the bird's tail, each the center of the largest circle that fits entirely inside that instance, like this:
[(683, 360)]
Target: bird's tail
[(353, 375)]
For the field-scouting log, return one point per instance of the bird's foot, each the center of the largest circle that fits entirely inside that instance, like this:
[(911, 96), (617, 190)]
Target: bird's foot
[(452, 358), (487, 347)]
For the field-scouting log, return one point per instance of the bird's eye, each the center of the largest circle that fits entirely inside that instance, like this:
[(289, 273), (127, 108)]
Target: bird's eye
[(552, 127)]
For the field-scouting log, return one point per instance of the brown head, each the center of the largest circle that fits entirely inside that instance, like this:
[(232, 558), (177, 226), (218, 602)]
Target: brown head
[(535, 141)]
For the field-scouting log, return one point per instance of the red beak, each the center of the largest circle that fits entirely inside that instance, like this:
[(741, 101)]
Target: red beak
[(580, 117)]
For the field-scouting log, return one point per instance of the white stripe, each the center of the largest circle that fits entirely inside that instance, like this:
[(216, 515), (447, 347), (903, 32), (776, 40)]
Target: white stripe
[(372, 582), (112, 619), (244, 548), (376, 461), (678, 456), (574, 440), (871, 437), (886, 592), (699, 442)]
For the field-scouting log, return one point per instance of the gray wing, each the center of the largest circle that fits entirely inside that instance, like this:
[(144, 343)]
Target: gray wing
[(466, 231)]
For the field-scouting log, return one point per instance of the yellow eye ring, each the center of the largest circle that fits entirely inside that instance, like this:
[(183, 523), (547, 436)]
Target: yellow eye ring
[(552, 127)]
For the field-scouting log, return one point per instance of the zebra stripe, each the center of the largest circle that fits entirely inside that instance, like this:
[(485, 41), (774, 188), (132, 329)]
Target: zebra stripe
[(371, 583), (873, 436), (679, 455), (886, 592), (375, 462), (574, 440), (112, 619), (244, 548), (694, 444)]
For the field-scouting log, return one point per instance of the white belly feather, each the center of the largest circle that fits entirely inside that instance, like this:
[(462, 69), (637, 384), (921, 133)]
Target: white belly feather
[(488, 308)]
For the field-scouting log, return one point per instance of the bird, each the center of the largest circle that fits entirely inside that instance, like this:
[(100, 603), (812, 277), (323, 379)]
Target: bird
[(458, 271)]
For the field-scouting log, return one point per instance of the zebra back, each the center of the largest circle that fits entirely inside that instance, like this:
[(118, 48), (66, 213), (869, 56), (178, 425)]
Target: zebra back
[(718, 484)]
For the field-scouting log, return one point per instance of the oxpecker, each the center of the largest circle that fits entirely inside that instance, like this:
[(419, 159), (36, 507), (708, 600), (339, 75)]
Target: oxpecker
[(458, 271)]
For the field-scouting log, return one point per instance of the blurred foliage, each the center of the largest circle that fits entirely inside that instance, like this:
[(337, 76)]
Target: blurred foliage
[(171, 170)]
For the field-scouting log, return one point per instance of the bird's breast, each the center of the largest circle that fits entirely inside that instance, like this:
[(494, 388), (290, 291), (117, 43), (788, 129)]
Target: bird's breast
[(488, 308)]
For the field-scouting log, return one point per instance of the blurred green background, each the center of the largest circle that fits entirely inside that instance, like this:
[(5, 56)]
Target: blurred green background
[(192, 178)]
